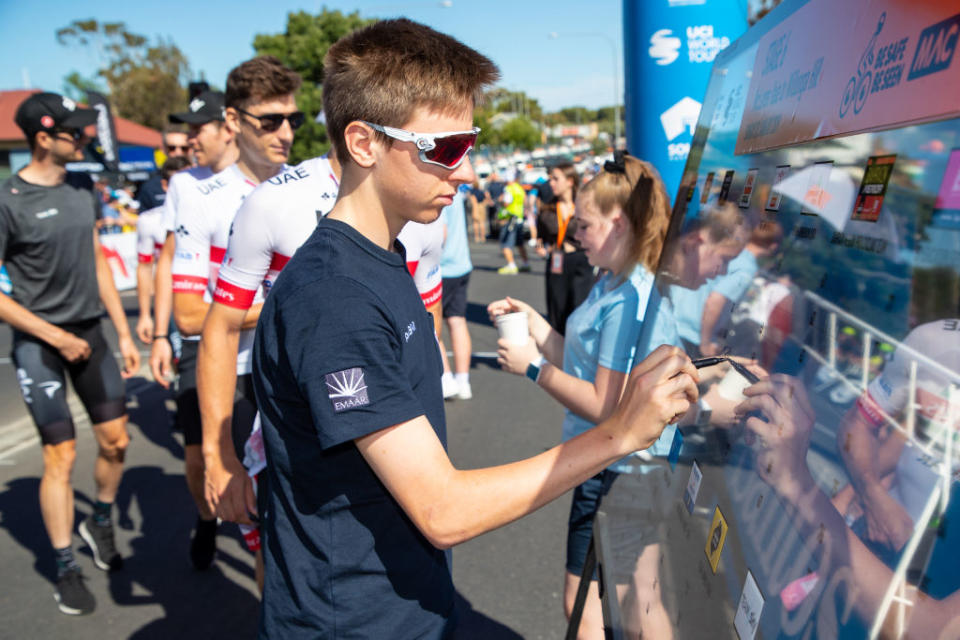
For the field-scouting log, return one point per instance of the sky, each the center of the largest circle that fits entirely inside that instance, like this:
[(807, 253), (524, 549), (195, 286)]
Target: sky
[(574, 68)]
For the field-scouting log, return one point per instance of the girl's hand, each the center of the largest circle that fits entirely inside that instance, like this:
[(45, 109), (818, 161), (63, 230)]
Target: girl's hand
[(515, 359), (505, 306)]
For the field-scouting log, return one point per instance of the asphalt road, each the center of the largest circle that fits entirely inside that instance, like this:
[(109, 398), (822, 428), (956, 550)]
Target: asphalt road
[(509, 581)]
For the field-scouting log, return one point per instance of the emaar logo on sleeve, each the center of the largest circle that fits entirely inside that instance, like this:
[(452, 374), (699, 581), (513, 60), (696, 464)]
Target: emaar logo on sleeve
[(347, 389)]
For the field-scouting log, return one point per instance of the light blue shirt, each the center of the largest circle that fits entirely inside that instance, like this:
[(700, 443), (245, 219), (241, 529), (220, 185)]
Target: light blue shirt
[(607, 329), (455, 259), (689, 304)]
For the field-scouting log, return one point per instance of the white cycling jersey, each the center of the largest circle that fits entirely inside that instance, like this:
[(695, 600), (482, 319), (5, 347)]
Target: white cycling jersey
[(939, 341), (182, 182), (273, 222), (204, 216), (424, 245), (150, 234)]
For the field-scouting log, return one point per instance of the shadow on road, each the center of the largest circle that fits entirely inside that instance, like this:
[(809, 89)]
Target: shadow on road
[(472, 624), (477, 314), (20, 516), (146, 406), (158, 571)]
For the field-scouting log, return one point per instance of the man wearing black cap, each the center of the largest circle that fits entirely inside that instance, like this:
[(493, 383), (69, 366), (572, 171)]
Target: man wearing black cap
[(215, 149), (60, 278)]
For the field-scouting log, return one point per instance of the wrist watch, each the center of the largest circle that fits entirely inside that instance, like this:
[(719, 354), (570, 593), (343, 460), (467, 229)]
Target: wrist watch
[(533, 369)]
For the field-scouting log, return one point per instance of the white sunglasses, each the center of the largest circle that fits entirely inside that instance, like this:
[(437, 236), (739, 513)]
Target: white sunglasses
[(447, 150)]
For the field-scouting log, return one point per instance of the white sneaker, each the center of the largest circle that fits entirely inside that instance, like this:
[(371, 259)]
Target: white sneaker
[(465, 392), (450, 387)]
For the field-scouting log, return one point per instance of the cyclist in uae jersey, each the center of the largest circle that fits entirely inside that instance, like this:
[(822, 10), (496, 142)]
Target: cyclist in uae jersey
[(273, 222), (202, 227), (277, 217), (202, 215), (150, 238), (424, 244), (261, 113), (150, 235)]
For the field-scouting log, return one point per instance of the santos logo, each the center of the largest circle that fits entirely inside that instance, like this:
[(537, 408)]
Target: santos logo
[(664, 47), (677, 120), (680, 117)]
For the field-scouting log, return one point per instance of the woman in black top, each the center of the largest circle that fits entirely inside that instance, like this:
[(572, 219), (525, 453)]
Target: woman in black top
[(569, 274)]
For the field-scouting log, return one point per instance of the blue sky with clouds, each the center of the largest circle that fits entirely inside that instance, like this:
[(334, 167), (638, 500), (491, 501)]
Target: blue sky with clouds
[(575, 68)]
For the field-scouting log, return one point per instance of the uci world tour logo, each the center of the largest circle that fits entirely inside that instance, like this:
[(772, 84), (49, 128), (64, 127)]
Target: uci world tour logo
[(347, 389)]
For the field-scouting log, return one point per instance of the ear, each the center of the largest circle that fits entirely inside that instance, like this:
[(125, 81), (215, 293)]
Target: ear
[(232, 120), (43, 140), (361, 144), (620, 222), (691, 241)]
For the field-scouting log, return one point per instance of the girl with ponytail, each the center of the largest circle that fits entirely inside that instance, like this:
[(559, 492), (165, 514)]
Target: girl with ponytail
[(621, 217)]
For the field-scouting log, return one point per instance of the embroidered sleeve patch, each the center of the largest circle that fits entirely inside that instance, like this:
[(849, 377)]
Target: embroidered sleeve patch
[(347, 389)]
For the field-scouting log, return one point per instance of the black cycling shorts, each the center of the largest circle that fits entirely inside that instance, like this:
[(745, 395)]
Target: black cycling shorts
[(188, 404), (42, 371)]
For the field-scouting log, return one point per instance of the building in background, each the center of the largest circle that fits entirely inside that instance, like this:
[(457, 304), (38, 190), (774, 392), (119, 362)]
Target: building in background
[(137, 143)]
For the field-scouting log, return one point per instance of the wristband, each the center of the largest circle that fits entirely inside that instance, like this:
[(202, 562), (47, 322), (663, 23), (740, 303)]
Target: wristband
[(533, 369), (164, 336)]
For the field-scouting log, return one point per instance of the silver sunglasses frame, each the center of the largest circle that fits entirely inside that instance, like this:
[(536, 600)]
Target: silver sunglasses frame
[(424, 141)]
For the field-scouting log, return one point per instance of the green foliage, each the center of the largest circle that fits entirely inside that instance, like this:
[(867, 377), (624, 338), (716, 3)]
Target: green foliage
[(144, 81), (76, 86), (520, 133), (302, 47)]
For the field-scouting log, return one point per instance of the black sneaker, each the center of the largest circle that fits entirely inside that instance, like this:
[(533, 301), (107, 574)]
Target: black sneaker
[(100, 539), (72, 596), (204, 544)]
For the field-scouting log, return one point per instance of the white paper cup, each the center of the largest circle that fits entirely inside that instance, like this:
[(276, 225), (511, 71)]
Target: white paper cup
[(513, 327), (732, 386)]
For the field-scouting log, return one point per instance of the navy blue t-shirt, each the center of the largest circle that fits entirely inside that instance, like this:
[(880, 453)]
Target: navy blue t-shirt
[(344, 348)]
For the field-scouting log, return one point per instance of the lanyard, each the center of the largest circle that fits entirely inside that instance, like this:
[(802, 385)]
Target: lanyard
[(562, 222)]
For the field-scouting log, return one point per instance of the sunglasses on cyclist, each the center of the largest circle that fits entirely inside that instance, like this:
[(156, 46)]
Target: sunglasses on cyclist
[(76, 135), (270, 122), (447, 150)]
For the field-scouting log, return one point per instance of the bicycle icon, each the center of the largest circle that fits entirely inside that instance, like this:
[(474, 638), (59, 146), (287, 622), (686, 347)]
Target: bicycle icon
[(858, 88)]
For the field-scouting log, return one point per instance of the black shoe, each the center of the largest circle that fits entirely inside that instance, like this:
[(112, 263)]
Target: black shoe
[(524, 268), (100, 539), (203, 547), (72, 596)]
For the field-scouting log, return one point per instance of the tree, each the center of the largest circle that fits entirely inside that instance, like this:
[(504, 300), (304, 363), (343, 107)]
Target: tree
[(302, 47), (144, 81), (520, 132)]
